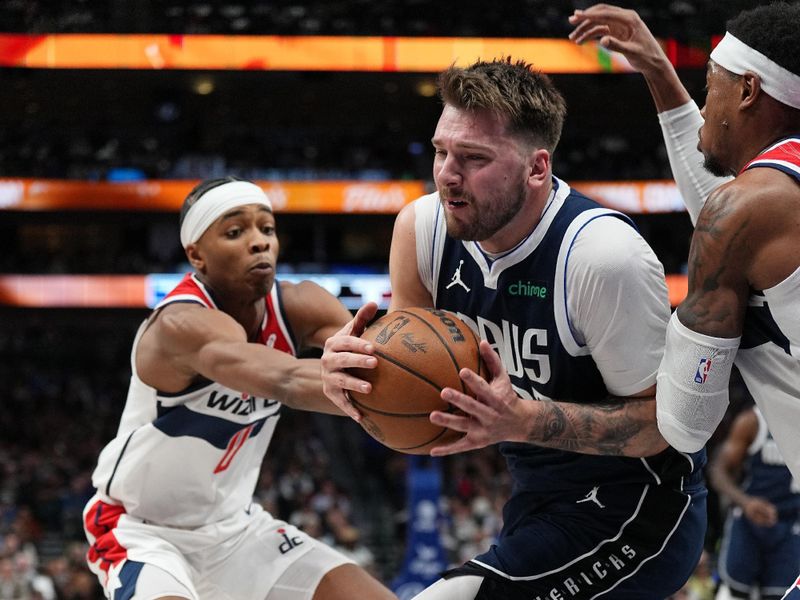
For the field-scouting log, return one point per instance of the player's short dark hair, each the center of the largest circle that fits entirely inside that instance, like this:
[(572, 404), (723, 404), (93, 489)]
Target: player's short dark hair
[(771, 30), (200, 189), (527, 98)]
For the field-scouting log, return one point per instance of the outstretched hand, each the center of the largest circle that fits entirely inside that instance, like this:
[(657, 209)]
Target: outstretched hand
[(345, 350), (620, 30), (497, 413)]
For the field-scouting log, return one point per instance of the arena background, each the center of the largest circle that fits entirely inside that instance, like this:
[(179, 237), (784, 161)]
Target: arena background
[(330, 106)]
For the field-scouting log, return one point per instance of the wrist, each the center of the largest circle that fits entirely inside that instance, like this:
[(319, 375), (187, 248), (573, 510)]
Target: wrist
[(527, 432), (657, 67)]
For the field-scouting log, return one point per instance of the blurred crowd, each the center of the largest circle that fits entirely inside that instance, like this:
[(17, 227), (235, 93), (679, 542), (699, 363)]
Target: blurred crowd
[(348, 17)]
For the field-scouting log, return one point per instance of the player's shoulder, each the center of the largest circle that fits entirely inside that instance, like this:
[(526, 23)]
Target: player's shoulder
[(426, 205), (302, 292), (175, 316), (755, 204), (308, 305), (756, 191), (609, 240), (416, 218)]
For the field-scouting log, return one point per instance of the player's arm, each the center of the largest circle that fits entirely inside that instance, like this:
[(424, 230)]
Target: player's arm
[(624, 31), (618, 310), (407, 287), (187, 340), (734, 233), (725, 470), (614, 426)]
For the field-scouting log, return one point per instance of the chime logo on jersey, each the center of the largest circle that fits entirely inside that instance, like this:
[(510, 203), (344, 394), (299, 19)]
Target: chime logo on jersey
[(288, 543), (530, 289), (703, 370)]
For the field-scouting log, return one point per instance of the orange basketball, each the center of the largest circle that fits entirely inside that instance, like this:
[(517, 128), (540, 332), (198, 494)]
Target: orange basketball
[(419, 352)]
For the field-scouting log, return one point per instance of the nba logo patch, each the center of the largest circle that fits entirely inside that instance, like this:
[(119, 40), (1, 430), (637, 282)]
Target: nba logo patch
[(702, 370)]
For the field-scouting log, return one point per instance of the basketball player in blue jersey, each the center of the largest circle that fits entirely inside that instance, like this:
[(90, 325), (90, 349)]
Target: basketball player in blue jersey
[(741, 185), (760, 548), (174, 515), (571, 306)]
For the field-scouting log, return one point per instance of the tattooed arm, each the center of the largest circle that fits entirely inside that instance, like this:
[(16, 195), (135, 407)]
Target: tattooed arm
[(617, 426), (719, 260)]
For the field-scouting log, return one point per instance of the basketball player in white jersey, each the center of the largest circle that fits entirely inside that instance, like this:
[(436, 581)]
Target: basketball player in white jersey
[(212, 366), (744, 263)]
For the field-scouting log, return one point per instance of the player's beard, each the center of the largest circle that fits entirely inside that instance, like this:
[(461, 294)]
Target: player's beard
[(490, 216), (713, 166), (710, 162)]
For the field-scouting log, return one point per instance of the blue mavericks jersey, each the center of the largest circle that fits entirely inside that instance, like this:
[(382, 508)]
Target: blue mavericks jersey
[(768, 476), (518, 303)]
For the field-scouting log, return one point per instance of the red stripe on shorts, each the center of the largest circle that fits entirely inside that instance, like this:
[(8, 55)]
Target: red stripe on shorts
[(100, 521)]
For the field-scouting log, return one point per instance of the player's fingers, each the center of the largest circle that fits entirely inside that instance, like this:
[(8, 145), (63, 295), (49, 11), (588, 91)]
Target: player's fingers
[(605, 12), (344, 381), (449, 420), (478, 386), (462, 445), (349, 407), (587, 30), (363, 316), (616, 45), (342, 399), (492, 360), (468, 404), (341, 351)]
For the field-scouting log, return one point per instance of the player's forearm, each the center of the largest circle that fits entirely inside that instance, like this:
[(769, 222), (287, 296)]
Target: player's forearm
[(267, 373), (725, 485), (615, 427), (303, 389), (665, 86)]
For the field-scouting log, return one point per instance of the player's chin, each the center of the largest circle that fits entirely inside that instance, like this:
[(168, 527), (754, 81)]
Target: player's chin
[(261, 283)]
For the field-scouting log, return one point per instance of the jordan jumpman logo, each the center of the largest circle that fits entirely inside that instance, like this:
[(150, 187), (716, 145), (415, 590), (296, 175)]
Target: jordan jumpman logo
[(457, 278)]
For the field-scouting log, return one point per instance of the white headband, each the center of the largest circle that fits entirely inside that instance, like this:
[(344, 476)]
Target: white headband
[(737, 57), (215, 203)]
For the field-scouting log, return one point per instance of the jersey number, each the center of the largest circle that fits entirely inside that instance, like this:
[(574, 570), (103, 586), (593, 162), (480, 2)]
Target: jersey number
[(234, 445)]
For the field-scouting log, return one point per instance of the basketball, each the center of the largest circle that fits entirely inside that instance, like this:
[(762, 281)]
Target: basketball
[(420, 351)]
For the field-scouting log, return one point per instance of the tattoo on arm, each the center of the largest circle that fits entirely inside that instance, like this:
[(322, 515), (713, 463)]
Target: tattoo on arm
[(607, 428), (712, 267)]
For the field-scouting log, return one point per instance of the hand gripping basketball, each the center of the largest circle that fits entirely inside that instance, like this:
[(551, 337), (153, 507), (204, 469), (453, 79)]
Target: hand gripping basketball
[(420, 351)]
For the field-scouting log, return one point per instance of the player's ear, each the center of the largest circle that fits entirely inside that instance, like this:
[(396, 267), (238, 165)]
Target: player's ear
[(750, 88), (195, 257), (539, 166)]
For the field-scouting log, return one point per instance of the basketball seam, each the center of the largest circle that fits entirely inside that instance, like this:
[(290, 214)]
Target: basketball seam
[(408, 369), (444, 343), (442, 431), (387, 413), (430, 441)]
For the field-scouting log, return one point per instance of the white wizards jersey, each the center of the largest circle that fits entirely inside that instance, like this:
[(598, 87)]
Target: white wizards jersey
[(769, 355), (191, 458)]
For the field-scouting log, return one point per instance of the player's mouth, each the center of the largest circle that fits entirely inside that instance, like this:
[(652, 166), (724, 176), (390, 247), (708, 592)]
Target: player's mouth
[(261, 268), (454, 203)]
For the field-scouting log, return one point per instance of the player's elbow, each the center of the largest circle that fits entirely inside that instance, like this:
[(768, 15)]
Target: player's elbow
[(679, 435)]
